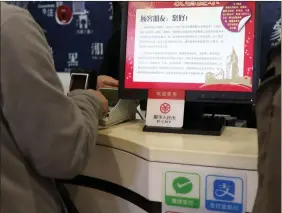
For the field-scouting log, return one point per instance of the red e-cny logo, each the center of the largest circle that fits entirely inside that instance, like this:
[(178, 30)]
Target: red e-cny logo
[(165, 108)]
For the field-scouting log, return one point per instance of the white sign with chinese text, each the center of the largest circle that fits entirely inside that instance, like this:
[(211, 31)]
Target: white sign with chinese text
[(97, 50), (165, 108), (189, 47), (73, 59)]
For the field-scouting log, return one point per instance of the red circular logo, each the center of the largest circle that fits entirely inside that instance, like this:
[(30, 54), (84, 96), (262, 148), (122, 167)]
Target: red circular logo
[(64, 14), (165, 108)]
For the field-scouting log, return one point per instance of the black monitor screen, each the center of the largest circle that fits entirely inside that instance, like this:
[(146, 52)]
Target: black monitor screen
[(192, 46)]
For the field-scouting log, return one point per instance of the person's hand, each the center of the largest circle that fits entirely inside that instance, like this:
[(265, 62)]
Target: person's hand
[(104, 81), (102, 98)]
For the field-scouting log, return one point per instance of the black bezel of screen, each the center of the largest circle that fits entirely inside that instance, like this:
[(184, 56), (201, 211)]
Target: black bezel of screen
[(194, 96)]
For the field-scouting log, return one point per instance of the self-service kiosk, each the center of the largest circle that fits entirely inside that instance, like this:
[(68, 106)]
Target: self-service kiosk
[(177, 45)]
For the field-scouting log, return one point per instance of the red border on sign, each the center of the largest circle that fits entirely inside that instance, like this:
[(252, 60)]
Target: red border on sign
[(248, 59)]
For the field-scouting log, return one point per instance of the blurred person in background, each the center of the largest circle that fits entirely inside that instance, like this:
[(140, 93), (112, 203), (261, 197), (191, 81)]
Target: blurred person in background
[(268, 113), (268, 110), (45, 135)]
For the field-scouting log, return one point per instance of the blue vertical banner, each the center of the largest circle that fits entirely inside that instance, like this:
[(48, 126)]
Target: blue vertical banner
[(77, 32)]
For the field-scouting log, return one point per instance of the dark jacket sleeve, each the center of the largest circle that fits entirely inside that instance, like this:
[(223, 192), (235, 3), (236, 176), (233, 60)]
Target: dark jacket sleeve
[(268, 112), (54, 133)]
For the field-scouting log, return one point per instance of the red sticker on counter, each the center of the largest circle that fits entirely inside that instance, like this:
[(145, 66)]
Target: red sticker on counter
[(64, 14), (235, 15)]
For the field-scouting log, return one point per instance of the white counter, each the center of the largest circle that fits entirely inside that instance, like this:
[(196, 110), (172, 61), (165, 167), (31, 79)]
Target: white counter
[(235, 148), (138, 161)]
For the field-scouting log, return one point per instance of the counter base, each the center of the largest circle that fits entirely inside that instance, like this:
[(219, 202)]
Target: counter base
[(205, 126)]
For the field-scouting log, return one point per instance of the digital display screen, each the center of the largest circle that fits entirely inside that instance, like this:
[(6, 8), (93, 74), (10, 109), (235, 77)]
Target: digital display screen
[(200, 46), (78, 81)]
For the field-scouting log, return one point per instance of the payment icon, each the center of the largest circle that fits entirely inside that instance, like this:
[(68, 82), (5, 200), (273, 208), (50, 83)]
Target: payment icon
[(182, 189), (224, 194), (224, 190), (182, 185)]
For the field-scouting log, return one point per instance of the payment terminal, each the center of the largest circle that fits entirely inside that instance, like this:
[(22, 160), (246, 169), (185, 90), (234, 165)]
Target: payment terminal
[(119, 110)]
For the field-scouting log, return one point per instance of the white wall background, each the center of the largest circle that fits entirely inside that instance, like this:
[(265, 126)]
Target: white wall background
[(65, 79)]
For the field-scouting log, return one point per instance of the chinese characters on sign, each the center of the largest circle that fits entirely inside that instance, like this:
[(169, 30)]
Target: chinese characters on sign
[(166, 94), (83, 24), (73, 62), (162, 18), (47, 9), (165, 108), (86, 25), (276, 34), (178, 63), (195, 3), (234, 15), (162, 31), (190, 45), (164, 119), (97, 50)]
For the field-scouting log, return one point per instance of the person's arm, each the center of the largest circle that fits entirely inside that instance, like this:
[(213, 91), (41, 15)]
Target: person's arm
[(53, 132)]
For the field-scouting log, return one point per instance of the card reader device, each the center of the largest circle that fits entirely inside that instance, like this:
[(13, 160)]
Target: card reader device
[(119, 110)]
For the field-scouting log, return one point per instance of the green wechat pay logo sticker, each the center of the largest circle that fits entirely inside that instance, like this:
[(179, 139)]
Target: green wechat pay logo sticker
[(182, 185), (182, 189)]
